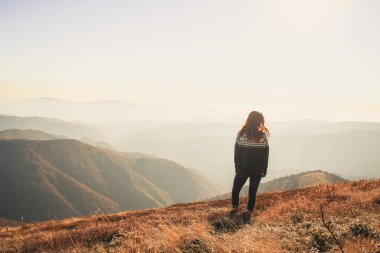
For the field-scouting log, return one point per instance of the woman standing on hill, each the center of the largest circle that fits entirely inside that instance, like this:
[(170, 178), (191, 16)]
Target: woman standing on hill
[(251, 160)]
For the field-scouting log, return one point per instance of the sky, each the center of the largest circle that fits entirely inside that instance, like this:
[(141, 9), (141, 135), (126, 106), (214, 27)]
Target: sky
[(316, 58)]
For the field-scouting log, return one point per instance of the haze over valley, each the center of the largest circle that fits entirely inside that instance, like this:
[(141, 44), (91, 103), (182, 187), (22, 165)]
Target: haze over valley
[(207, 147)]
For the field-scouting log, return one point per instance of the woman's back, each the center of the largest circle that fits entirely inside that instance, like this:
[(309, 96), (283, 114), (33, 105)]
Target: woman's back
[(251, 156), (251, 160)]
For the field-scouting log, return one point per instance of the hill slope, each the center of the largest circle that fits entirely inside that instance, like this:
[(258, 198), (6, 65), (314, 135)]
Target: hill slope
[(50, 125), (28, 134), (292, 182), (284, 222), (300, 180), (63, 178), (31, 134), (153, 170)]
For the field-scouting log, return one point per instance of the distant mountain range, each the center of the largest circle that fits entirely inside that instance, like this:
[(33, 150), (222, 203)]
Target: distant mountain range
[(42, 180), (52, 126), (112, 110), (28, 134), (207, 147), (31, 134), (295, 146), (346, 148), (292, 182)]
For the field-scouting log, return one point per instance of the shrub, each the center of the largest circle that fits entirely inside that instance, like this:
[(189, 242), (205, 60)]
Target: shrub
[(321, 240), (195, 246), (376, 202), (222, 224), (297, 217), (363, 230)]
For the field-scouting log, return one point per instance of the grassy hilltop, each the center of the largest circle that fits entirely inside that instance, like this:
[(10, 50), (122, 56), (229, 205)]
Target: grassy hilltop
[(287, 221)]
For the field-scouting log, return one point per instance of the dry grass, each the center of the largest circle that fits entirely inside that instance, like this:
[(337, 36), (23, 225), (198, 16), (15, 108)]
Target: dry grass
[(284, 222)]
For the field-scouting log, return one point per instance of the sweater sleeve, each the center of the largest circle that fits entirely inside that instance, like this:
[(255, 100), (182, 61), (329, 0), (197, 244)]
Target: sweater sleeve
[(266, 159), (236, 153)]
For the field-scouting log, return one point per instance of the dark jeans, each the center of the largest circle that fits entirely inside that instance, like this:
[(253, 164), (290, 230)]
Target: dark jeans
[(239, 181)]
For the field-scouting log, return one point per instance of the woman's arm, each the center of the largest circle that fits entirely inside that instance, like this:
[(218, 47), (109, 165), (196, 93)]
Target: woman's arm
[(236, 156), (236, 152), (266, 161)]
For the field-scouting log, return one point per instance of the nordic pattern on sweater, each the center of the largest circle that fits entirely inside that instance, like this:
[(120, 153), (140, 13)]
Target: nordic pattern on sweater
[(243, 141)]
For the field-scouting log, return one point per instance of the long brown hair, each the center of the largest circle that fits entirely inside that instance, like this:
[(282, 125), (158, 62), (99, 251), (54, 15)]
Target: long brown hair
[(254, 126)]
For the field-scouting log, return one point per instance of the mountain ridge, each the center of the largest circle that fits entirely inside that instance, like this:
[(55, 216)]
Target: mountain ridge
[(292, 182), (28, 134), (51, 125), (79, 179)]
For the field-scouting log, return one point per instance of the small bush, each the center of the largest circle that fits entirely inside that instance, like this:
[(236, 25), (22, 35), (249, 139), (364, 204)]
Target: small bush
[(195, 246), (363, 230), (308, 225), (113, 238), (321, 240), (297, 217), (360, 229), (224, 225), (376, 202)]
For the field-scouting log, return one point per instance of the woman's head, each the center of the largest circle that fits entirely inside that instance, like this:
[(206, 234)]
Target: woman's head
[(255, 125)]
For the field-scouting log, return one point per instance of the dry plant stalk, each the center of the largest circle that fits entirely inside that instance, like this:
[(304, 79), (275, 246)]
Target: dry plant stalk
[(330, 230)]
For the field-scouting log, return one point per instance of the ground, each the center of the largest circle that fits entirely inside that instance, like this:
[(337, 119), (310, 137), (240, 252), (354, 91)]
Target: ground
[(288, 221)]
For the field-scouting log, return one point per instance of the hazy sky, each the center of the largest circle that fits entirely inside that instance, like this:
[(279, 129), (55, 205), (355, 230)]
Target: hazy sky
[(321, 55)]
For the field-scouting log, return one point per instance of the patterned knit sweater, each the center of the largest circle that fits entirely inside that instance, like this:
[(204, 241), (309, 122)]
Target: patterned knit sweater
[(251, 156)]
